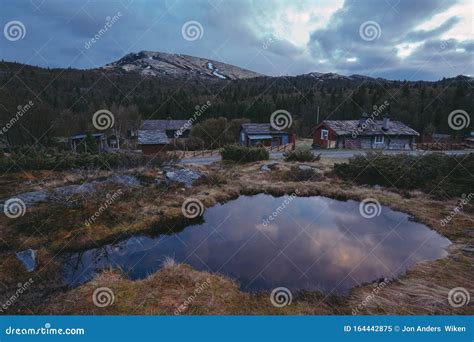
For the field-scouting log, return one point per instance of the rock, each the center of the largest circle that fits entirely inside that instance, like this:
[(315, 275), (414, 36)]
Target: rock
[(64, 193), (468, 249), (269, 167), (185, 176), (308, 168), (304, 172), (28, 258), (69, 190), (33, 197), (125, 180), (303, 167)]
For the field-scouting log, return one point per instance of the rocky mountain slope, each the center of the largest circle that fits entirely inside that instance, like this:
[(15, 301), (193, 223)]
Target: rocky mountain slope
[(178, 66), (333, 77)]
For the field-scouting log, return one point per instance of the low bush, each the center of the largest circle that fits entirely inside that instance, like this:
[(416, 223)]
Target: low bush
[(61, 160), (187, 144), (302, 153), (243, 154), (300, 173), (212, 178), (434, 173)]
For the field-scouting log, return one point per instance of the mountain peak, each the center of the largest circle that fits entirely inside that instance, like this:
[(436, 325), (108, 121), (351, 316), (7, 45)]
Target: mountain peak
[(172, 65)]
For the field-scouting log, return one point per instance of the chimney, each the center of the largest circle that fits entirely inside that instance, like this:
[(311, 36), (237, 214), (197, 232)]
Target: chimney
[(386, 123), (363, 119)]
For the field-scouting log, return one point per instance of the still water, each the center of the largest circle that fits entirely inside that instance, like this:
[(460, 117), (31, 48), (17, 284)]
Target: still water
[(312, 243)]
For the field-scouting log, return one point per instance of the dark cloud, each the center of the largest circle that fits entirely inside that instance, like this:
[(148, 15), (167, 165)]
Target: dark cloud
[(397, 23), (416, 36), (237, 32)]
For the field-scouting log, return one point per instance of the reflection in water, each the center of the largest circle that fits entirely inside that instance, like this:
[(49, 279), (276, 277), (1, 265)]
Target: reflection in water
[(314, 243)]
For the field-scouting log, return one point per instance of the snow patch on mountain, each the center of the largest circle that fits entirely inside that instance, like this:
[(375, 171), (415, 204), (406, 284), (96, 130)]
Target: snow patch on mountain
[(177, 66)]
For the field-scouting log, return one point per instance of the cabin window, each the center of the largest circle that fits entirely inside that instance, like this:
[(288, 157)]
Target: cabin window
[(379, 139), (324, 134)]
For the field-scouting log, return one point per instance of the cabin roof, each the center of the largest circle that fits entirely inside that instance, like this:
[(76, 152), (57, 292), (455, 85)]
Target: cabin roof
[(152, 137), (260, 128), (348, 127), (441, 136), (163, 125), (83, 136)]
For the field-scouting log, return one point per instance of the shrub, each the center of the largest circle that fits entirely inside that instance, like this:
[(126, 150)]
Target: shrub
[(434, 173), (301, 153), (188, 144), (212, 178), (52, 159), (301, 173), (243, 154)]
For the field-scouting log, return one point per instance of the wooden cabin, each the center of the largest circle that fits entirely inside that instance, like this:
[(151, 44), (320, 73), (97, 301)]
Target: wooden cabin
[(364, 134)]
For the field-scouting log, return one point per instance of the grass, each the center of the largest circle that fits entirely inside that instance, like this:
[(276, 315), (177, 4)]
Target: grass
[(423, 291), (156, 209), (163, 292)]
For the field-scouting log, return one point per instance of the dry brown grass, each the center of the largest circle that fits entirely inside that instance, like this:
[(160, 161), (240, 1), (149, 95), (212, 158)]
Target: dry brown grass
[(44, 281), (154, 209), (175, 289), (423, 291)]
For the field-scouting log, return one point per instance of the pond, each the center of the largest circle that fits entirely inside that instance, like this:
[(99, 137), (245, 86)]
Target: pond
[(311, 243)]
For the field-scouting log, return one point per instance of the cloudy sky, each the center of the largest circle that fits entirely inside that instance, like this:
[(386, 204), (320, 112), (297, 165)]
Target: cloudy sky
[(395, 39)]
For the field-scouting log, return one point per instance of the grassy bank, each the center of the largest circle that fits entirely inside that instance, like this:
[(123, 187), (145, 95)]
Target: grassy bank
[(155, 208)]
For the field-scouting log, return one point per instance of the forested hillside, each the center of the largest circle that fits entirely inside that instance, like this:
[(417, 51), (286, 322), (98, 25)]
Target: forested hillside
[(64, 100)]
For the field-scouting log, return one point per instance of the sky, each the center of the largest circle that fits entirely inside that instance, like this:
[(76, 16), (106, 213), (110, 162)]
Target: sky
[(394, 39)]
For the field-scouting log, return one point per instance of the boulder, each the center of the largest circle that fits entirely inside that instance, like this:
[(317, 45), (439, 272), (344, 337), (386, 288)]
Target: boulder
[(468, 249), (28, 258), (125, 180), (269, 167), (64, 193), (33, 197), (184, 176)]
